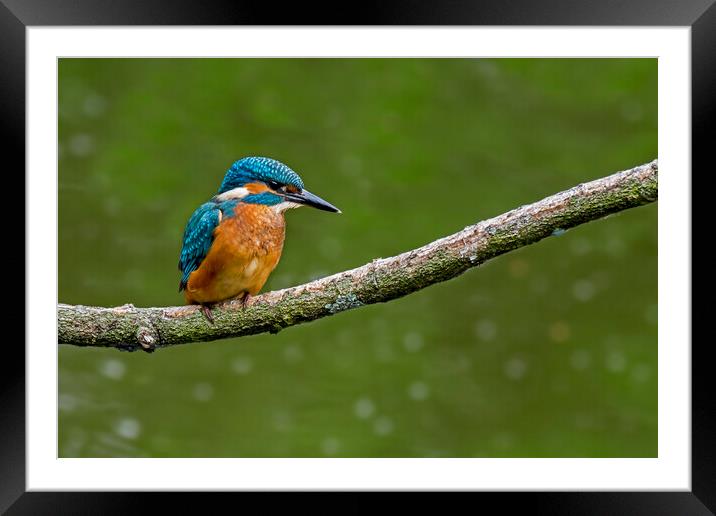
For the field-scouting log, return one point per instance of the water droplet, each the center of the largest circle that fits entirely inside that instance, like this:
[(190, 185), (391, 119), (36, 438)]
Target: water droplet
[(113, 369), (559, 385), (486, 330), (384, 352), (461, 363), (503, 440), (332, 119), (515, 368), (480, 299), (242, 365), (330, 247), (133, 277), (651, 314), (615, 361), (419, 391), (73, 445), (641, 373), (203, 391), (67, 402), (413, 342), (614, 246), (112, 205), (584, 421), (583, 290), (282, 420), (81, 145), (488, 69), (559, 331), (383, 425), (292, 353), (580, 359), (129, 428), (519, 267), (330, 446), (364, 408), (581, 246), (351, 166), (631, 111), (540, 285), (94, 105)]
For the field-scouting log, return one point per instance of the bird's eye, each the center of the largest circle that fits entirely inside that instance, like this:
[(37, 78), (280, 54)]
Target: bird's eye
[(275, 186)]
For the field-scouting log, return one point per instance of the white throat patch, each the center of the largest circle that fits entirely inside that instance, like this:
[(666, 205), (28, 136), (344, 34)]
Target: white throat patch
[(283, 206), (236, 193)]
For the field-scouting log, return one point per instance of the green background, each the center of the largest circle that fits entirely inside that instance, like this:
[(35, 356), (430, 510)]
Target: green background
[(549, 351)]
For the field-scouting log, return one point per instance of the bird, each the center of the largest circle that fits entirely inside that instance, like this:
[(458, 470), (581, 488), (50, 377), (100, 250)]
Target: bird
[(233, 242)]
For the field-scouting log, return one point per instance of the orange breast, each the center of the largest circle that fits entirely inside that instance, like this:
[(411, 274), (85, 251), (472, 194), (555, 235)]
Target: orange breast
[(246, 248)]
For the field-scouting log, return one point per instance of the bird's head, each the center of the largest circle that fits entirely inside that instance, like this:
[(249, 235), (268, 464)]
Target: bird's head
[(257, 180)]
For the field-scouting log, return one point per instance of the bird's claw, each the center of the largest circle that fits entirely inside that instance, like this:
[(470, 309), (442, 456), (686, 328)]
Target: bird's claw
[(207, 313)]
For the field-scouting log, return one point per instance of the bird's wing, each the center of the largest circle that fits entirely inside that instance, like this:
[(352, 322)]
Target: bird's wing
[(198, 237)]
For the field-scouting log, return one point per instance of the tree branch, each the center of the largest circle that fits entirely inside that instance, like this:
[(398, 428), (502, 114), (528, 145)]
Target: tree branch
[(129, 328)]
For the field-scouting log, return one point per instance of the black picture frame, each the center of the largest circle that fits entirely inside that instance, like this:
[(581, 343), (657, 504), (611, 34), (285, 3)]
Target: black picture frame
[(700, 15)]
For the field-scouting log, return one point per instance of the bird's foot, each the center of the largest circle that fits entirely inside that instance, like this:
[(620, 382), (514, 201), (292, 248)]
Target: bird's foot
[(245, 300), (206, 310)]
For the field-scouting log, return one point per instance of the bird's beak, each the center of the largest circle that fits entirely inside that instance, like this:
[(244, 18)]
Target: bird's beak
[(307, 198)]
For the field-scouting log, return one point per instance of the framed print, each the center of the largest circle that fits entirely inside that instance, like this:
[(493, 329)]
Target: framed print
[(498, 294)]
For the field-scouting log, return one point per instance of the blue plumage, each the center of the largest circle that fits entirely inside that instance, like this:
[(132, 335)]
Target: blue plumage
[(247, 170), (199, 235)]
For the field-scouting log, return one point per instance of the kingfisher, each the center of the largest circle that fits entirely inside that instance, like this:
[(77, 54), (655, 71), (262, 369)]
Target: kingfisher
[(233, 242)]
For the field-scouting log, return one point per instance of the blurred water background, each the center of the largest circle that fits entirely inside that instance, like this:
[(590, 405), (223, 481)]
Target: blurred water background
[(549, 351)]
